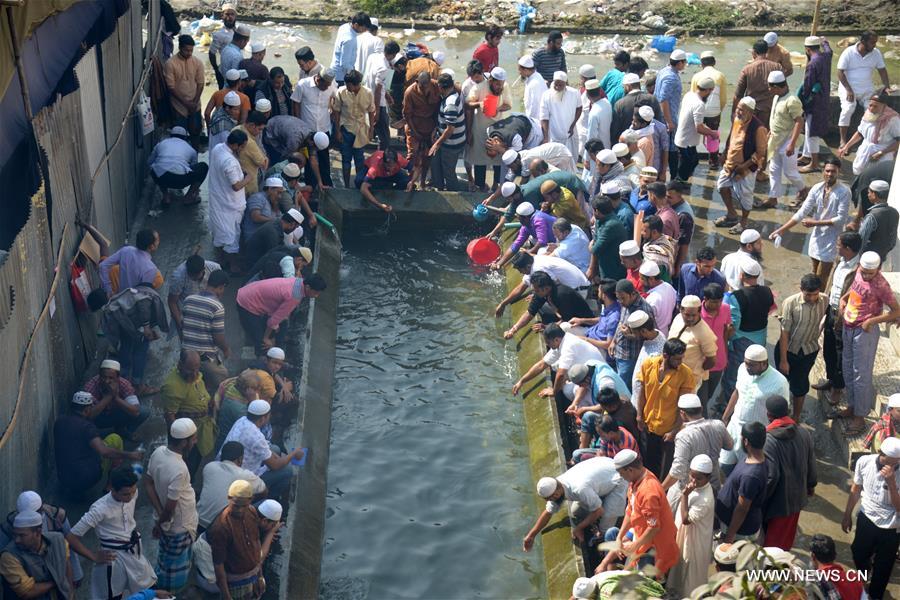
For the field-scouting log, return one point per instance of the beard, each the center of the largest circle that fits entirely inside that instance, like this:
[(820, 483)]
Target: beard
[(559, 95), (869, 116)]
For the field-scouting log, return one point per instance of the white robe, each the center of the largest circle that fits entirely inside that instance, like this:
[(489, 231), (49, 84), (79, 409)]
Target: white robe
[(561, 115), (694, 541), (226, 206)]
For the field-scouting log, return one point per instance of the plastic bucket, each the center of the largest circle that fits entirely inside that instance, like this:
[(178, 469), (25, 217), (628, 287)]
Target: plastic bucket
[(483, 251), (480, 213), (491, 102)]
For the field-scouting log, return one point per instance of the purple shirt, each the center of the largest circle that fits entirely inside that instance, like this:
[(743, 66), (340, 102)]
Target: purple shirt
[(605, 328), (540, 227), (660, 143), (135, 266)]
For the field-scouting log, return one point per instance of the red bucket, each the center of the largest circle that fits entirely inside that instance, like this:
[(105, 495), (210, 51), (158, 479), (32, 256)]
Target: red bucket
[(483, 251)]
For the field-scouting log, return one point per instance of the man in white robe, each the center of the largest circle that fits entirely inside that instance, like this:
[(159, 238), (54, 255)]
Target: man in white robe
[(560, 111), (227, 198)]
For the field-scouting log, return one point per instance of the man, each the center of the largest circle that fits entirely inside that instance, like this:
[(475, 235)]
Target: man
[(609, 170), (740, 501), (264, 304), (353, 115), (603, 436), (273, 364), (612, 80), (632, 258), (36, 563), (427, 63), (173, 165), (237, 551), (642, 326), (238, 100), (135, 262), (116, 406), (561, 203), (628, 105), (203, 330), (879, 227), (668, 93), (658, 195), (695, 518), (855, 67), (815, 95), (572, 244), (264, 207), (717, 314), (778, 53), (375, 78), (218, 475), (345, 45), (753, 81), (748, 252), (233, 52), (227, 198), (487, 52), (368, 43), (535, 86), (563, 348), (664, 379), (785, 124), (311, 102), (622, 209), (801, 316), (387, 170), (879, 131), (271, 235), (112, 519), (421, 102), (862, 308), (655, 245), (745, 154), (536, 225), (551, 58), (185, 396), (522, 163), (715, 102), (273, 468), (567, 302), (835, 583), (222, 38), (167, 483), (690, 328), (756, 381), (791, 473), (639, 199), (306, 61), (627, 347), (648, 514), (825, 211), (450, 136), (226, 117), (599, 115), (591, 380), (597, 494), (695, 276), (190, 277), (560, 111), (184, 80), (661, 296), (691, 126), (877, 539), (257, 72)]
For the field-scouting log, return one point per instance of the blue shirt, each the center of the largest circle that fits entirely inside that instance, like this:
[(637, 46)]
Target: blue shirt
[(606, 326), (344, 51), (641, 203), (691, 284), (625, 215), (604, 371), (230, 59), (668, 87), (135, 266), (757, 337), (612, 85), (575, 249)]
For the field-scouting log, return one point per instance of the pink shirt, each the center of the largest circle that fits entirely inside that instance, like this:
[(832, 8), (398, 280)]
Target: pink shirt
[(717, 324), (866, 299), (273, 297), (670, 222)]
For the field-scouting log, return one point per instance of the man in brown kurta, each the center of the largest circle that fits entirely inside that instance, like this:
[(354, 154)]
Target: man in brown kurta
[(753, 82), (184, 79), (420, 107)]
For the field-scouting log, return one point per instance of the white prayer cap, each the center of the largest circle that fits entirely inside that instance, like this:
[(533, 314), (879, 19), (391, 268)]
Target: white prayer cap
[(546, 486), (276, 182), (578, 373), (631, 79), (182, 428), (509, 157), (624, 458), (228, 6), (232, 74), (560, 76), (812, 41), (776, 77), (525, 209), (649, 268), (610, 188), (240, 488), (276, 353), (751, 268), (689, 401), (111, 364), (879, 185), (263, 105), (592, 84), (891, 447), (28, 518), (270, 509), (756, 353), (607, 157), (775, 556), (232, 99), (678, 54), (894, 401), (296, 215), (707, 83), (257, 47), (438, 57), (707, 54), (498, 73), (637, 319), (629, 248), (28, 500), (507, 189), (620, 149), (448, 71), (244, 73), (397, 58), (690, 301), (243, 30), (83, 398), (748, 236), (629, 136), (259, 408), (584, 588), (702, 464), (649, 172), (771, 38), (178, 130), (748, 101), (587, 71), (646, 113), (320, 139), (527, 62), (373, 21), (870, 260), (291, 170)]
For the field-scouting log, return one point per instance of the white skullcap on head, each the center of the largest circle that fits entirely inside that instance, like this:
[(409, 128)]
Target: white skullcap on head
[(636, 319), (748, 101), (894, 401), (259, 408), (320, 139), (771, 38), (879, 185), (649, 172), (374, 22), (689, 401), (592, 84), (111, 364), (438, 57), (891, 447), (690, 301), (812, 41), (178, 130), (498, 73), (748, 236), (607, 157), (773, 556), (646, 113), (232, 74), (509, 157), (296, 215), (227, 6), (263, 105), (620, 149), (610, 188), (624, 458), (870, 260), (631, 79), (629, 136), (242, 30), (751, 268), (702, 464), (629, 248), (257, 47), (546, 486), (584, 588), (182, 428), (756, 353), (507, 189), (232, 99), (560, 76), (276, 353), (707, 83), (527, 62), (776, 77), (678, 54), (448, 71), (28, 518), (83, 398), (587, 71), (275, 182), (707, 54), (525, 209), (649, 268), (28, 500), (270, 509), (291, 170)]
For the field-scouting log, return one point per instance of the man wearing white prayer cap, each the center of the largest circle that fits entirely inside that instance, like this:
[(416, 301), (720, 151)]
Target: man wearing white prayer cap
[(233, 53), (226, 116), (747, 155), (668, 92), (694, 512), (116, 405), (264, 106), (879, 227), (702, 347), (253, 71), (817, 110), (36, 561), (661, 296), (596, 491), (715, 102), (535, 86), (778, 53), (596, 116), (584, 588), (270, 509), (785, 124), (752, 81), (691, 126), (749, 250), (221, 38), (560, 111)]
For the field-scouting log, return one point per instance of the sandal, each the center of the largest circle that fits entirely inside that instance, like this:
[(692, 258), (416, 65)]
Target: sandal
[(809, 169), (837, 414), (726, 221), (855, 431), (738, 229), (759, 205)]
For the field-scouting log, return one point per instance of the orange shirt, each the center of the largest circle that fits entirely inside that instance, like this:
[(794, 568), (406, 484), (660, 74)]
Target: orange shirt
[(647, 508), (218, 98)]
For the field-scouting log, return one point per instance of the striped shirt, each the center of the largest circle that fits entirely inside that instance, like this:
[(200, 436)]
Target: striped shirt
[(876, 497), (610, 448), (801, 320), (452, 114), (203, 316), (547, 63), (704, 436)]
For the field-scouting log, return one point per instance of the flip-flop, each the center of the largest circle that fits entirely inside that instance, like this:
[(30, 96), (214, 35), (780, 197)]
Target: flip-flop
[(759, 205), (738, 229), (809, 169), (726, 221)]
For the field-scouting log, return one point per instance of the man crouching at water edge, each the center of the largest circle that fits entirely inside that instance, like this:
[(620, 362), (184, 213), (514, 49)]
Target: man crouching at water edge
[(387, 171), (597, 494)]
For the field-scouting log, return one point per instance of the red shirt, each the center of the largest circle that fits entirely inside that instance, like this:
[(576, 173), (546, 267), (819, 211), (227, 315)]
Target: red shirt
[(634, 277), (648, 508), (848, 590), (377, 168), (489, 56)]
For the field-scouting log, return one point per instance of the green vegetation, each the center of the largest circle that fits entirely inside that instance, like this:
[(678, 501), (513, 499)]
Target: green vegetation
[(390, 7), (700, 15)]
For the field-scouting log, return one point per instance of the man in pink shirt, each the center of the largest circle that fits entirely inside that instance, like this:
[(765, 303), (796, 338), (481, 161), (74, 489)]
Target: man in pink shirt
[(717, 315), (657, 194), (263, 305)]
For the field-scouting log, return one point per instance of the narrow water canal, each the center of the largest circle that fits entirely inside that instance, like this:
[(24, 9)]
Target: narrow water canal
[(429, 483)]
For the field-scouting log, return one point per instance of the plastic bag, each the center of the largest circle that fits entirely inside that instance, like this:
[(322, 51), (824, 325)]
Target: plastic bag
[(145, 114)]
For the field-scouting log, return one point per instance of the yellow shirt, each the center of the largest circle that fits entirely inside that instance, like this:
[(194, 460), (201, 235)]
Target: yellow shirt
[(701, 344), (661, 397), (567, 208), (252, 159), (784, 113), (355, 110), (16, 576), (717, 76)]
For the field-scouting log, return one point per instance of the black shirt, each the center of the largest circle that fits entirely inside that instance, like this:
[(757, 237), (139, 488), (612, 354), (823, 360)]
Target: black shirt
[(749, 481), (76, 461), (755, 302), (567, 302), (267, 237)]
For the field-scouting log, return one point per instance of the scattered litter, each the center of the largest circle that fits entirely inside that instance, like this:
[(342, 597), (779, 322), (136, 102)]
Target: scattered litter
[(568, 2), (448, 33), (204, 25), (278, 54), (693, 58), (267, 23), (675, 31), (653, 22)]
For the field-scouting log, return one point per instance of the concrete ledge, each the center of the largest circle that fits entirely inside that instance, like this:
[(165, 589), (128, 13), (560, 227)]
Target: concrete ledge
[(412, 211)]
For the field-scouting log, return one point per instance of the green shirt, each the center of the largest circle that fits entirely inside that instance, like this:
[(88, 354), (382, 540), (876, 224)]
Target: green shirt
[(608, 234), (180, 396)]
